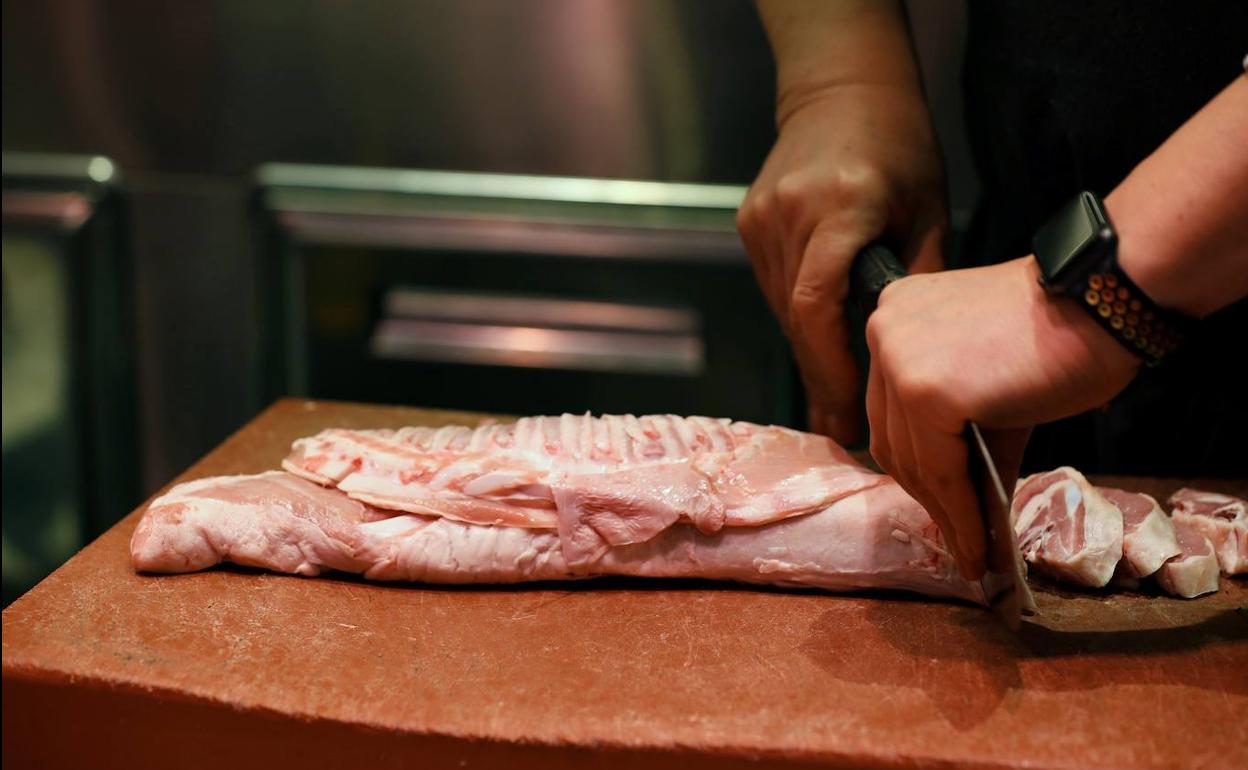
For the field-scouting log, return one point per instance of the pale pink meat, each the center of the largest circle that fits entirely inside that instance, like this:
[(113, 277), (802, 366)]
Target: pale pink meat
[(1222, 518), (876, 538), (715, 472), (1148, 538), (272, 520), (1193, 572), (1067, 529)]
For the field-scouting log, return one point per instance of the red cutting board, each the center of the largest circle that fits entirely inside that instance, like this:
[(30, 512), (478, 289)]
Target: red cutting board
[(236, 668)]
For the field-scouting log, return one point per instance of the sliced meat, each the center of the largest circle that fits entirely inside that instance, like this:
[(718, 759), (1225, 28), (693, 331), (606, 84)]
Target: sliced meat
[(1195, 571), (515, 474), (878, 538), (1066, 528), (1148, 538), (1222, 518)]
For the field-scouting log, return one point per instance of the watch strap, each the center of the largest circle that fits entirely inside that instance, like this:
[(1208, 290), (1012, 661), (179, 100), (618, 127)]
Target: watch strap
[(1128, 314)]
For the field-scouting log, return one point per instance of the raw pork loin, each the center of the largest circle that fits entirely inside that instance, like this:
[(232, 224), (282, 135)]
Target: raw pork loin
[(1222, 518), (562, 497)]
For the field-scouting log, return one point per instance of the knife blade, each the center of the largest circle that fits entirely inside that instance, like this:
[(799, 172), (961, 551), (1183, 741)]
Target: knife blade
[(1004, 583)]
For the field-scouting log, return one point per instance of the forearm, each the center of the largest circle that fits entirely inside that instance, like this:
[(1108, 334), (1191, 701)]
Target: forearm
[(1182, 214), (820, 45)]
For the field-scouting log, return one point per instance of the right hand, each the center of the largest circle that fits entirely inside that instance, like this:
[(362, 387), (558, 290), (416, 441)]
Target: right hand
[(852, 162)]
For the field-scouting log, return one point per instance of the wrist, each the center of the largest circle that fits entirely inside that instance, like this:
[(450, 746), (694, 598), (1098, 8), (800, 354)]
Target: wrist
[(827, 47), (1077, 253), (1147, 262), (1073, 332), (851, 97)]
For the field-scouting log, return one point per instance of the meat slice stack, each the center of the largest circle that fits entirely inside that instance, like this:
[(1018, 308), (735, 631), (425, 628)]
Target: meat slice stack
[(562, 497), (1077, 533)]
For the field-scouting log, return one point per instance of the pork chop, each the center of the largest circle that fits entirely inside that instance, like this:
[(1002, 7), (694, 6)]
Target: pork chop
[(1066, 528), (1223, 519), (1193, 572), (1148, 538)]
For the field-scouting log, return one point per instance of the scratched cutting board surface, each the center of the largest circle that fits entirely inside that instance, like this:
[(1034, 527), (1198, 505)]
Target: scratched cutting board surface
[(234, 667)]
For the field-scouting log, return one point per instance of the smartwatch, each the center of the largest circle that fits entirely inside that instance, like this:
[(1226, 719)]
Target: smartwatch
[(1077, 251)]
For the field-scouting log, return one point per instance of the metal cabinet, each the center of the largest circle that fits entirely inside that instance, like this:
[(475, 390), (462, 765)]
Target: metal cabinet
[(518, 294), (69, 450)]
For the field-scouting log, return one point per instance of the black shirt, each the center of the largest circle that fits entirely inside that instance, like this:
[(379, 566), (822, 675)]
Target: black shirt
[(1068, 95)]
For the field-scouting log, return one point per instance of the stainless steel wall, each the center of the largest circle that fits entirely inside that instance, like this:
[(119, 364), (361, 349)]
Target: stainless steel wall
[(189, 97)]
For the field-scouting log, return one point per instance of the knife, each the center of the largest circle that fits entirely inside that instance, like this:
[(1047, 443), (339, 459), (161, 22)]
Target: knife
[(1004, 585)]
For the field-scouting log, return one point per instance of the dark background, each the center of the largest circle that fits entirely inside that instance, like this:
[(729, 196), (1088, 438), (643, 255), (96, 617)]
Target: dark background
[(188, 99)]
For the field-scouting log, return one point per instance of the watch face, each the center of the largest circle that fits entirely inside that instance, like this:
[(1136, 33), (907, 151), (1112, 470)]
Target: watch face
[(1067, 245)]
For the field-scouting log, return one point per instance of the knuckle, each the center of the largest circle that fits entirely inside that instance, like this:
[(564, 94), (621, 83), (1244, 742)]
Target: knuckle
[(859, 185), (805, 301), (914, 386), (793, 192), (745, 219), (889, 293), (815, 309), (760, 208), (749, 217)]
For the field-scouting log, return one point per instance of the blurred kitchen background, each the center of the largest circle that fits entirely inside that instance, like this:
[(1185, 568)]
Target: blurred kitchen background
[(498, 205)]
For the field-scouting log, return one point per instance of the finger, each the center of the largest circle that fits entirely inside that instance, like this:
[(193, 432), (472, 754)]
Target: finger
[(815, 417), (814, 406), (756, 225), (905, 471), (817, 307), (797, 224), (773, 247), (748, 228), (838, 416), (818, 407), (942, 473), (796, 233), (877, 418), (900, 448)]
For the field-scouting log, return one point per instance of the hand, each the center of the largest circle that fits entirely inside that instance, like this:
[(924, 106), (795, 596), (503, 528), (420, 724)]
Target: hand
[(852, 162), (987, 345)]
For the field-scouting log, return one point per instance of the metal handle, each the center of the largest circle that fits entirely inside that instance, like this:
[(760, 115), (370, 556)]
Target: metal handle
[(538, 332)]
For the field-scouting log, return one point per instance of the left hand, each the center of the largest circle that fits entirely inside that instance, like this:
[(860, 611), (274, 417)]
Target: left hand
[(988, 345)]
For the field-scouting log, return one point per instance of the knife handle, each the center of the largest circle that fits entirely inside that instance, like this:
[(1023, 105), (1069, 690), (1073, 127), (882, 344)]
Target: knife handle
[(874, 268)]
